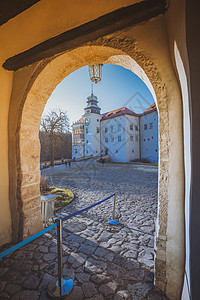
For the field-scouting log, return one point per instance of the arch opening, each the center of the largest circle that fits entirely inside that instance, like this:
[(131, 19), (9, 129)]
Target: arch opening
[(40, 81)]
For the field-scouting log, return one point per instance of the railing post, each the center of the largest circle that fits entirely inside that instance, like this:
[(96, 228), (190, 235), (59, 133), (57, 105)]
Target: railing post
[(113, 221), (62, 287)]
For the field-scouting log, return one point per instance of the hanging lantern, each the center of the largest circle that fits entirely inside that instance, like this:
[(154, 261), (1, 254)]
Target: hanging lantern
[(95, 72)]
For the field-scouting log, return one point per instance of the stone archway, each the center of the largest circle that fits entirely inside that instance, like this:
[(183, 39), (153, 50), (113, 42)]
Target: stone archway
[(32, 87)]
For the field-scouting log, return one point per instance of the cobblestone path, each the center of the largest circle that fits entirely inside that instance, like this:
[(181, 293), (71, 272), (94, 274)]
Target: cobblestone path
[(105, 262)]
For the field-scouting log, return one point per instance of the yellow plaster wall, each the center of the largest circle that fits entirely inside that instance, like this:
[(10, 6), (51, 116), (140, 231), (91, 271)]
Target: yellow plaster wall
[(5, 91), (48, 18)]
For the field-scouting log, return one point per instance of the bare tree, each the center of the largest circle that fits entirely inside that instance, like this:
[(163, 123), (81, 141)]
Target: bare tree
[(54, 124)]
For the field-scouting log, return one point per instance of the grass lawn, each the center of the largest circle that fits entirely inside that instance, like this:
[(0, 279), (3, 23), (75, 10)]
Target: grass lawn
[(63, 197)]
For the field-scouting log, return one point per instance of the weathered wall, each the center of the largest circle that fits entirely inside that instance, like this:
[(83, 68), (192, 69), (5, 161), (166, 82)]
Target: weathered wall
[(193, 48), (176, 25)]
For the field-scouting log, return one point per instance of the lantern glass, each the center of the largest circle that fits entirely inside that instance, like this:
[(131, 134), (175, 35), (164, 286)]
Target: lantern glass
[(95, 72)]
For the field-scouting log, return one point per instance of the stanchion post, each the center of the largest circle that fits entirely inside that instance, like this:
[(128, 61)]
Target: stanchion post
[(114, 207), (113, 221), (62, 287), (60, 261)]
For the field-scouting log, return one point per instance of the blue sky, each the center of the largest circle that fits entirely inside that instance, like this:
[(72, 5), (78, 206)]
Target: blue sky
[(119, 87)]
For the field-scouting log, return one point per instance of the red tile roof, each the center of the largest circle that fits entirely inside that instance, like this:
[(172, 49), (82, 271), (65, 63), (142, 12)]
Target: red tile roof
[(118, 112), (123, 111), (151, 108), (79, 121)]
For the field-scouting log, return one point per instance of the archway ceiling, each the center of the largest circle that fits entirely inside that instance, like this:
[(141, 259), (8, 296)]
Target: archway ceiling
[(106, 24), (11, 8)]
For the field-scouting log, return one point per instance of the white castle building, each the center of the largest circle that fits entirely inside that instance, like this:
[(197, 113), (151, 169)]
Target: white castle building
[(121, 133)]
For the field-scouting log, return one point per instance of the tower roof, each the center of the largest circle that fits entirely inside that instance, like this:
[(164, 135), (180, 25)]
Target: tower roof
[(92, 97), (92, 106)]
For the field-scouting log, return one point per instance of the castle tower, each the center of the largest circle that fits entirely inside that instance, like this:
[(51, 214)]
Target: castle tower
[(92, 106), (92, 119)]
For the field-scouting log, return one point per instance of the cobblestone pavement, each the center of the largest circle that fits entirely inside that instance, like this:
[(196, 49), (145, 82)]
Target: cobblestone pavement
[(105, 262)]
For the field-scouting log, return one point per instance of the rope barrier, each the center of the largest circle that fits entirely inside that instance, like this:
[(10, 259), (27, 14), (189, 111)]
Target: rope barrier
[(64, 285), (35, 236), (87, 208), (26, 241)]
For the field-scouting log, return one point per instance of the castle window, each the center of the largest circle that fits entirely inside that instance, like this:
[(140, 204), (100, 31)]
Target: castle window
[(111, 128), (133, 150), (112, 139), (119, 138), (131, 138), (118, 127), (136, 128), (106, 129), (75, 151), (98, 129), (151, 126), (144, 140), (156, 150), (152, 137), (106, 140), (116, 151), (131, 127), (145, 126)]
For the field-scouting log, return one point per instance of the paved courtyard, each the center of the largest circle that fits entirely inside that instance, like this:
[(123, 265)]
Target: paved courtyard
[(105, 262)]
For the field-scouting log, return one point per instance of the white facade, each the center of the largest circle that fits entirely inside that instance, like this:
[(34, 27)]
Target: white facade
[(78, 139), (92, 134), (123, 134), (132, 138), (120, 139), (113, 140), (149, 136)]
